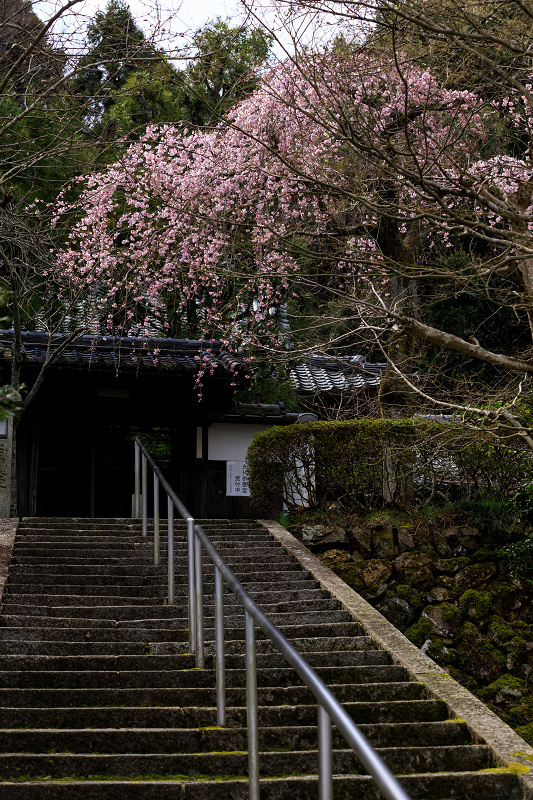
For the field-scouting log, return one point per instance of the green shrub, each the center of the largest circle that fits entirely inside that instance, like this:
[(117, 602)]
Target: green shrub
[(347, 463)]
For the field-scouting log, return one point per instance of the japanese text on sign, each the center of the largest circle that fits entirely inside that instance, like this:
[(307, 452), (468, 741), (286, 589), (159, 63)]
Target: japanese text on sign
[(236, 479)]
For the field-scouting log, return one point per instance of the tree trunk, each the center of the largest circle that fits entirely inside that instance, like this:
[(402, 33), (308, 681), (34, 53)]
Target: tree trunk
[(396, 398)]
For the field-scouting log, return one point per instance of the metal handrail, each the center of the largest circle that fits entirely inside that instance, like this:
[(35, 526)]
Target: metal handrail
[(329, 708)]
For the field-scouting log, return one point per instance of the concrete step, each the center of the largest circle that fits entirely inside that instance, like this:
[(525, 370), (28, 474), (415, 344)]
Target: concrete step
[(100, 699), (374, 712), (117, 521), (203, 696), (288, 575), (442, 786), (300, 581), (398, 759), (232, 619), (118, 548), (194, 740), (374, 671), (132, 566), (37, 601), (232, 647), (231, 603), (135, 634), (144, 663)]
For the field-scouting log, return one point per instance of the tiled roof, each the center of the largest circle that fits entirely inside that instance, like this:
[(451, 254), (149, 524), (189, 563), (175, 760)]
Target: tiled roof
[(268, 413), (336, 374), (126, 353), (187, 356)]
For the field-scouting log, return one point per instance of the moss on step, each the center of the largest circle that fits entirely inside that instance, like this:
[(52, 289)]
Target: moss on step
[(512, 766)]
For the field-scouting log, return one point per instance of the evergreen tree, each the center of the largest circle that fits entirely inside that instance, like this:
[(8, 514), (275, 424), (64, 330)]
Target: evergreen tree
[(226, 69), (117, 49)]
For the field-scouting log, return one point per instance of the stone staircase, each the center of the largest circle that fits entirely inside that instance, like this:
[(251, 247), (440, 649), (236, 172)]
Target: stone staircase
[(100, 698)]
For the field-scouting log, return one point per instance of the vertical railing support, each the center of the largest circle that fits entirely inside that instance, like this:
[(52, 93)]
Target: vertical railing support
[(170, 555), (325, 762), (144, 495), (219, 644), (191, 574), (137, 510), (199, 602), (157, 545), (251, 708)]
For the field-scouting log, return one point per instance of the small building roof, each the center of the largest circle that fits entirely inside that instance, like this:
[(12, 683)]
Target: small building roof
[(126, 353), (135, 355), (336, 374), (258, 413)]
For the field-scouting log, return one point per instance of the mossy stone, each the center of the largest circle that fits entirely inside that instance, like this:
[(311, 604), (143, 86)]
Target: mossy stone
[(411, 595), (474, 575), (451, 614), (352, 574), (477, 606), (500, 631), (414, 569), (506, 684), (438, 651), (375, 571), (526, 732), (449, 566), (335, 558), (419, 633), (382, 537), (445, 618), (477, 656)]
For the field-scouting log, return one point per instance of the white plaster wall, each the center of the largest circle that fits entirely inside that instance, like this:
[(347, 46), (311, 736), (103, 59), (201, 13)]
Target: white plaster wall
[(229, 441)]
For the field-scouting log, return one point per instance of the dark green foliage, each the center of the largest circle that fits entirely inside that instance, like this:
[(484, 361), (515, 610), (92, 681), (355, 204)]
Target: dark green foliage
[(492, 511), (343, 462), (117, 48), (440, 653), (271, 384), (9, 401), (468, 315), (477, 655), (476, 606), (518, 557), (225, 69), (451, 614), (129, 84)]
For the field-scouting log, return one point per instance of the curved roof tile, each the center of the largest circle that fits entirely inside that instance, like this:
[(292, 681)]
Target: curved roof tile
[(336, 374)]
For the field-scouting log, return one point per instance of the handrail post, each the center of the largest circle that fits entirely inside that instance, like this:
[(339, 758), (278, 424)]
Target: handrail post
[(144, 495), (199, 602), (157, 545), (251, 708), (325, 757), (191, 581), (137, 512), (219, 645), (170, 555)]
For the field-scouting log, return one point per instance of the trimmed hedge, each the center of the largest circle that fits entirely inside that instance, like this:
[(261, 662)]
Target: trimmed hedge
[(318, 463)]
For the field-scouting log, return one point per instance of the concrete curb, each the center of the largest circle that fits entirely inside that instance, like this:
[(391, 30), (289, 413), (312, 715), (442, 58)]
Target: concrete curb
[(8, 531), (510, 751)]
